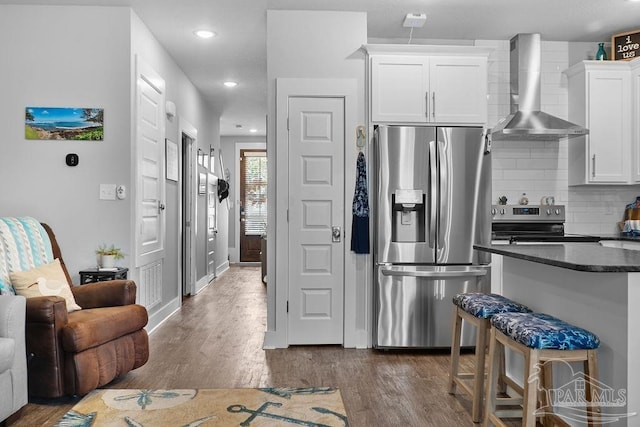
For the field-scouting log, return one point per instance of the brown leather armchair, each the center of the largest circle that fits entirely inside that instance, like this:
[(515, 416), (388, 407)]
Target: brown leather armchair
[(74, 353)]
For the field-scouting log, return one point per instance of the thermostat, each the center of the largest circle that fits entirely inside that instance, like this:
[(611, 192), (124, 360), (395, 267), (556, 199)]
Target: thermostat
[(72, 159)]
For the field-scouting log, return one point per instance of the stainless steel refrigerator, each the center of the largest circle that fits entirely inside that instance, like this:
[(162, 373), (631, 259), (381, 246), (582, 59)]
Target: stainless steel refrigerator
[(433, 202)]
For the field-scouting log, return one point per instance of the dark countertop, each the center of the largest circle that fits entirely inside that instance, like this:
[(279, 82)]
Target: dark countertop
[(620, 237), (590, 257)]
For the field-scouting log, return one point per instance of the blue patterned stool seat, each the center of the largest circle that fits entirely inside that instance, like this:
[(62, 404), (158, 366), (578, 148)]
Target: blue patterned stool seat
[(542, 331), (485, 306)]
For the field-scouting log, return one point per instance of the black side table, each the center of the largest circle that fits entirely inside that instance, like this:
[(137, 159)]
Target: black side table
[(95, 274)]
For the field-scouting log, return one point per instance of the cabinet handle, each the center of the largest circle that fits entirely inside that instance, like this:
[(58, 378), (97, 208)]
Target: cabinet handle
[(426, 101), (433, 108), (593, 166)]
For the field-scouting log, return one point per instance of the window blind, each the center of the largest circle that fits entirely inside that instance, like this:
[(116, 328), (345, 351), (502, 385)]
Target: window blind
[(255, 187)]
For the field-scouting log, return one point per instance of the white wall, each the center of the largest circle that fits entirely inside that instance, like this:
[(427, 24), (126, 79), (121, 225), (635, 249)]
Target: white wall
[(59, 56), (73, 56), (314, 44), (191, 106), (541, 168)]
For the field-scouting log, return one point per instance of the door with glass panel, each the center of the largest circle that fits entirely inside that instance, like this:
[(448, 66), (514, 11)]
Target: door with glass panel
[(253, 203)]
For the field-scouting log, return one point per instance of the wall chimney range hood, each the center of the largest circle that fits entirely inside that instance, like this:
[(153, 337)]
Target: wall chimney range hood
[(526, 121)]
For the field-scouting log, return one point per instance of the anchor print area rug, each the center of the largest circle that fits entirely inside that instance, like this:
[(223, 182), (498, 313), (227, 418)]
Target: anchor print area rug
[(313, 407)]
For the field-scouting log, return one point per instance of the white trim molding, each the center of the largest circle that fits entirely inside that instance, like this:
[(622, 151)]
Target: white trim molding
[(355, 332)]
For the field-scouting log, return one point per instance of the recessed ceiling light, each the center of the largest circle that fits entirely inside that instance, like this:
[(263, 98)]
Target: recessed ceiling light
[(230, 84), (204, 34), (253, 130)]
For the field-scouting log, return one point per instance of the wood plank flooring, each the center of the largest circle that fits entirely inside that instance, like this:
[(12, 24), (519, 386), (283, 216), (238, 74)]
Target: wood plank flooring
[(215, 341)]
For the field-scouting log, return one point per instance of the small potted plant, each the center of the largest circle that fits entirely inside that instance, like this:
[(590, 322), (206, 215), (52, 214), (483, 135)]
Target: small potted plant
[(108, 255)]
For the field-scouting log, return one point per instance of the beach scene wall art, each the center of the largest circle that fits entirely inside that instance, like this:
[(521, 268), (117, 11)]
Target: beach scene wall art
[(85, 124)]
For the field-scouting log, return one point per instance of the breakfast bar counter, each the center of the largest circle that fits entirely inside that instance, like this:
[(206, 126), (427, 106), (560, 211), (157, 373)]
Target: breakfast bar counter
[(592, 286), (592, 257)]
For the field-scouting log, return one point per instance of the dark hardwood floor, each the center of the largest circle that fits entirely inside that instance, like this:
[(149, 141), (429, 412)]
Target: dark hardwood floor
[(215, 341)]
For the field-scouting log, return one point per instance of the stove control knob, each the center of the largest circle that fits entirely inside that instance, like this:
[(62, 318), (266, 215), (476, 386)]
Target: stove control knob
[(503, 211), (548, 211), (494, 211), (557, 211)]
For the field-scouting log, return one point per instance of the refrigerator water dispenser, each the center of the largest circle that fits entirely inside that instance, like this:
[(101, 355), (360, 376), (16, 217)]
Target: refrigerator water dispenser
[(408, 216)]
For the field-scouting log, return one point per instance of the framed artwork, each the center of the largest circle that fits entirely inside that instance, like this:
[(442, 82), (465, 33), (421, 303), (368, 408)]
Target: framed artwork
[(61, 123), (202, 183), (212, 160), (205, 162), (625, 46), (171, 160)]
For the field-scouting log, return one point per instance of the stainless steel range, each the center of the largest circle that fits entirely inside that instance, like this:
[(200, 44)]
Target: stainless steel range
[(520, 224)]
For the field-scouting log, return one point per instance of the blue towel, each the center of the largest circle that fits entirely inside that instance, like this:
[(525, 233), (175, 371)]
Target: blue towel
[(360, 224)]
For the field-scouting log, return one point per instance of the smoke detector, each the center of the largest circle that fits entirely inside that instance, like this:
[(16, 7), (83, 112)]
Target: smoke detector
[(414, 20)]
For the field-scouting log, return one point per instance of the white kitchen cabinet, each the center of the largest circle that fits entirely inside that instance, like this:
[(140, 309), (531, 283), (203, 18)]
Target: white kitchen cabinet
[(458, 87), (600, 99), (428, 84), (399, 88), (496, 274)]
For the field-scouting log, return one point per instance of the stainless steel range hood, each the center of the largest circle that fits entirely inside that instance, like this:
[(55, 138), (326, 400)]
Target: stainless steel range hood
[(526, 121)]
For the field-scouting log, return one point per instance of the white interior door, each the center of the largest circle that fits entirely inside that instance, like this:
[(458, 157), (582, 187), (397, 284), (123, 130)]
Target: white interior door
[(150, 185), (212, 224), (189, 135), (316, 206), (150, 158)]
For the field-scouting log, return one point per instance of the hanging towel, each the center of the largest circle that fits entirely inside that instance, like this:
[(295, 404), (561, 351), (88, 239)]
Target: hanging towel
[(360, 225)]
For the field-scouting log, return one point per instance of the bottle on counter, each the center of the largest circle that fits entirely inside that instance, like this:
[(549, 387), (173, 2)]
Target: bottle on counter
[(524, 200), (601, 54)]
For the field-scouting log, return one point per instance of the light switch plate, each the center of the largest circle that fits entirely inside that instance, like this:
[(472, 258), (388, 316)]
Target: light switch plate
[(107, 191)]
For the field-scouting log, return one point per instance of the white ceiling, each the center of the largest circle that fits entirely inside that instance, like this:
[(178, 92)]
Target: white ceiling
[(239, 50)]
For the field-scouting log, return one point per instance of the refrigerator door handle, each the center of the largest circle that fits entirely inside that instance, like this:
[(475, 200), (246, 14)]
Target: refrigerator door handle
[(433, 194), (443, 178), (434, 272)]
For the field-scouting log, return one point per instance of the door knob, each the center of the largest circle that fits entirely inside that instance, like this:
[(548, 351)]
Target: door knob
[(335, 234)]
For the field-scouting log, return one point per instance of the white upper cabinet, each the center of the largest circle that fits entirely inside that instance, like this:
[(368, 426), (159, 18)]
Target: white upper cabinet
[(428, 84), (458, 88), (600, 99), (399, 88)]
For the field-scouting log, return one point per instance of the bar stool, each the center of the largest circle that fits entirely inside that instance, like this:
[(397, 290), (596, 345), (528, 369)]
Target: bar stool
[(477, 309), (541, 338)]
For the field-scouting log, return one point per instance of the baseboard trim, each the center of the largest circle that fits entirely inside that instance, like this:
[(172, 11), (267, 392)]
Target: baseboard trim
[(222, 268), (160, 316), (201, 284), (272, 340)]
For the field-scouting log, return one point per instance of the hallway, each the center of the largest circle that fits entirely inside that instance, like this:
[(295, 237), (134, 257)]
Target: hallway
[(215, 341)]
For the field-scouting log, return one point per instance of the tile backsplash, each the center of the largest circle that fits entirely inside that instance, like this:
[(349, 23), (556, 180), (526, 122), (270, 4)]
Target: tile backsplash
[(541, 168)]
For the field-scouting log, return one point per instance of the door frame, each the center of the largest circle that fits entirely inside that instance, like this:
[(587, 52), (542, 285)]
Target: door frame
[(242, 197), (234, 252), (188, 269), (144, 71), (357, 296)]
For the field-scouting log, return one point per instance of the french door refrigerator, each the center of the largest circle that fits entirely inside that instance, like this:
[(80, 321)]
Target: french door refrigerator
[(433, 202)]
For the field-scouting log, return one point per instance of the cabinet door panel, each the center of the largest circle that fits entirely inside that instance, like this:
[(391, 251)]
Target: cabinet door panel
[(608, 113), (458, 90), (399, 86)]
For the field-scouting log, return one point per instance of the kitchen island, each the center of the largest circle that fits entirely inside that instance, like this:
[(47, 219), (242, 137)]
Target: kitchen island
[(594, 287)]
